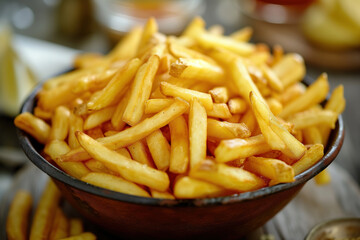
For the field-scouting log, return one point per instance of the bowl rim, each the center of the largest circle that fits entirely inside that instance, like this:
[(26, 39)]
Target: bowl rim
[(331, 151)]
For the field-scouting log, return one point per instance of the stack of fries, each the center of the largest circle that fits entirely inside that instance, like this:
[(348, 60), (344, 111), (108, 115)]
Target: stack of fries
[(49, 221), (199, 115)]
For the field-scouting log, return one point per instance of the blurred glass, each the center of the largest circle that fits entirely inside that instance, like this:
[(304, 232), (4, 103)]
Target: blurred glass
[(119, 16)]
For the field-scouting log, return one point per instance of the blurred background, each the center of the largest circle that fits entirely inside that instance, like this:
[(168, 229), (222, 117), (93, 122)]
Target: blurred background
[(39, 39)]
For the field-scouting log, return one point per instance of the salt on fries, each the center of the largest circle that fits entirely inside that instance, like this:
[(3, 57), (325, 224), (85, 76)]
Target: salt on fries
[(199, 115)]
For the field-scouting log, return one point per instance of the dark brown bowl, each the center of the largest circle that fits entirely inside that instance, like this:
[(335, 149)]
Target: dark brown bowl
[(137, 217)]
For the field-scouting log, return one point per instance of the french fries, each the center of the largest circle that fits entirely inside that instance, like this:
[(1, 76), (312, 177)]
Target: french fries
[(199, 115), (17, 220)]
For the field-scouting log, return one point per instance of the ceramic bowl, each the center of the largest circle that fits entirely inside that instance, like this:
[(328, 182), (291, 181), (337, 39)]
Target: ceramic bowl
[(132, 217)]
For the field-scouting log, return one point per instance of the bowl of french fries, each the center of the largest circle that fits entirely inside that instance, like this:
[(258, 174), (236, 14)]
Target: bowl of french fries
[(182, 137)]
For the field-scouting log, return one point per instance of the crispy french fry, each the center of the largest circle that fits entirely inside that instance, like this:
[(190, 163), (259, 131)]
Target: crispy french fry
[(188, 187), (45, 213), (313, 95), (36, 127), (99, 117), (41, 113), (82, 236), (312, 135), (179, 154), (231, 178), (169, 89), (127, 168), (241, 148), (273, 169), (76, 226), (276, 135), (75, 124), (219, 94), (336, 104), (96, 166), (140, 153), (115, 88), (56, 148), (242, 35), (60, 124), (114, 183), (128, 47), (60, 226), (311, 118), (135, 133), (220, 110), (159, 149), (311, 156), (180, 51), (292, 92), (17, 221), (116, 119), (249, 119), (273, 80), (149, 30), (198, 70), (156, 105), (290, 69), (207, 40), (196, 25), (197, 133), (87, 60), (237, 105), (163, 195), (95, 132), (140, 91), (275, 106), (226, 130)]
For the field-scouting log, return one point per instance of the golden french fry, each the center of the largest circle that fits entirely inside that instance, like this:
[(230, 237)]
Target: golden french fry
[(75, 124), (156, 105), (197, 70), (311, 118), (232, 178), (336, 104), (311, 156), (135, 133), (115, 88), (179, 154), (290, 69), (95, 132), (60, 124), (96, 166), (242, 35), (169, 89), (114, 183), (180, 51), (163, 195), (17, 221), (36, 127), (188, 187), (273, 80), (45, 213), (232, 149), (116, 119), (197, 133), (140, 153), (140, 91), (226, 130), (127, 168), (196, 25), (292, 92), (82, 236), (219, 94), (87, 60), (56, 148), (313, 95), (41, 113), (275, 106), (278, 54), (127, 48), (322, 178), (99, 117), (273, 169), (277, 136), (159, 149), (219, 110), (250, 120), (237, 105), (149, 30), (208, 40), (76, 226), (60, 226), (312, 135)]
